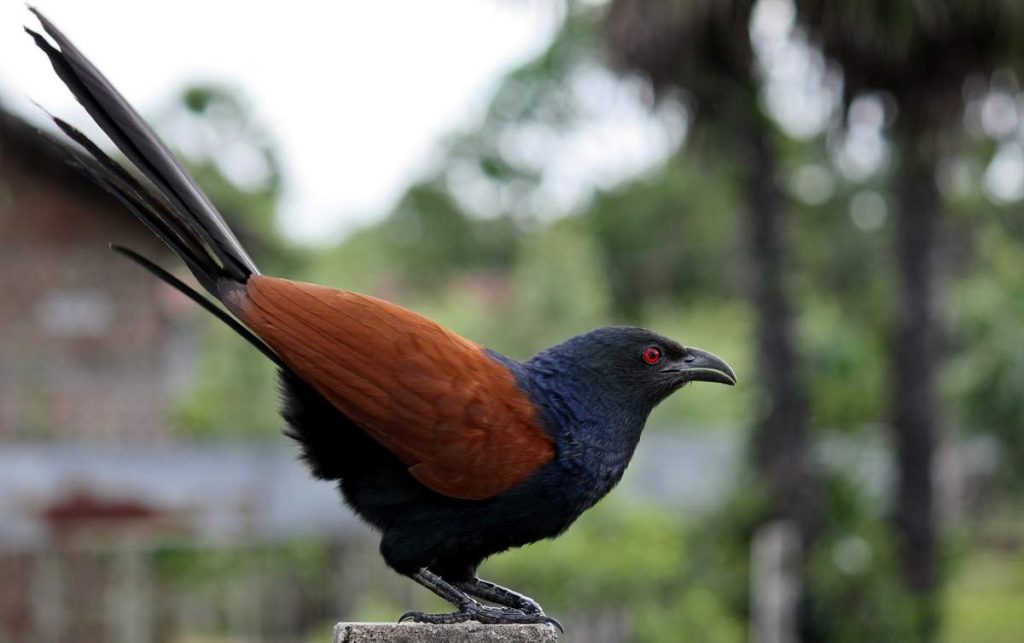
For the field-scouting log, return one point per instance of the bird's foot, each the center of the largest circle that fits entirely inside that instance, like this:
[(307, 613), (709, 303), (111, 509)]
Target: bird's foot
[(482, 614), (516, 608)]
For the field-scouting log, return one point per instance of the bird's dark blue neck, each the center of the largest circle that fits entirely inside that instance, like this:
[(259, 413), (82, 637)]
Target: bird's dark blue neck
[(595, 432)]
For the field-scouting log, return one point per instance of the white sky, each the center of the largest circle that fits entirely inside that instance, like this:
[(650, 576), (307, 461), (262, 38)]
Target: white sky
[(355, 93)]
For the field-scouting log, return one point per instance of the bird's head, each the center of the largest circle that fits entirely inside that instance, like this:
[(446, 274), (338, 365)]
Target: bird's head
[(633, 367)]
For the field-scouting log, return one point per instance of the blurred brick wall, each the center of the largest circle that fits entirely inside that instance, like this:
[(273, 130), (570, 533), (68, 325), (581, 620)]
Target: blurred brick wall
[(88, 341)]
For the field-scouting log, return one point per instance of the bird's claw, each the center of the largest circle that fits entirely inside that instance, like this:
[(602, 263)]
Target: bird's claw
[(552, 622), (483, 614), (538, 619)]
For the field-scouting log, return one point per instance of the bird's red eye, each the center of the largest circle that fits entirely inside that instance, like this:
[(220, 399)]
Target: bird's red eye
[(652, 354)]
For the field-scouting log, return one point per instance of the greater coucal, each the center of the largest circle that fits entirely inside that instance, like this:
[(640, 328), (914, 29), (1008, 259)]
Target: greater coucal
[(451, 451)]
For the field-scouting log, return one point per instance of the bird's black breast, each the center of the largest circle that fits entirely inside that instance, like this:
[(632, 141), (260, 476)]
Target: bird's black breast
[(420, 527)]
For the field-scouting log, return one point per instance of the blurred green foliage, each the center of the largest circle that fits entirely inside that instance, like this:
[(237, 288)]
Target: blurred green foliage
[(657, 581), (854, 571), (987, 373), (983, 602), (671, 236), (233, 392)]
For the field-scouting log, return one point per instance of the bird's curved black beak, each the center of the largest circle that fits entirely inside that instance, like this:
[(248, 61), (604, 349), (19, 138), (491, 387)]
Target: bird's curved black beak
[(701, 366)]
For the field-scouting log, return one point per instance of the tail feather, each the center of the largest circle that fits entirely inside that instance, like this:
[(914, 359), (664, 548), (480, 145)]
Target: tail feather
[(140, 145), (146, 206), (208, 305), (165, 198)]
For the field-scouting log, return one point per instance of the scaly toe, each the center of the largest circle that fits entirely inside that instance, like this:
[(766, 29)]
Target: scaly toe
[(436, 619), (510, 615)]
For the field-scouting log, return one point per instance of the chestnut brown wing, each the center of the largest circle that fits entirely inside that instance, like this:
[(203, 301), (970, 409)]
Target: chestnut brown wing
[(453, 415)]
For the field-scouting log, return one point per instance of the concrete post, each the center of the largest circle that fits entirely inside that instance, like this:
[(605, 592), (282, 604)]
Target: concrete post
[(425, 633)]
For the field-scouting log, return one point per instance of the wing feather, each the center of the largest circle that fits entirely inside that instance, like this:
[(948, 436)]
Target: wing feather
[(447, 410)]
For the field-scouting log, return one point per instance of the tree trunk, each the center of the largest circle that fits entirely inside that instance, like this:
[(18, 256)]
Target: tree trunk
[(780, 445), (914, 360)]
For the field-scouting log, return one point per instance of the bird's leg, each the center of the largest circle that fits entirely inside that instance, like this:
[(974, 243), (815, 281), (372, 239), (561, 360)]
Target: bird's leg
[(469, 609), (495, 593)]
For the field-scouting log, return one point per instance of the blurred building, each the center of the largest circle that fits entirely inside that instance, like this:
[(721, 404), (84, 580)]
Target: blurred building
[(82, 526), (90, 345)]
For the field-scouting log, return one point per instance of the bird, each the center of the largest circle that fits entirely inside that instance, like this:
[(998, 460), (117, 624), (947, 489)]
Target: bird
[(451, 451)]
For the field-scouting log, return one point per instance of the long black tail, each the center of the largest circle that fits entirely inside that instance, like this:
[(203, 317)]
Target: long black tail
[(167, 201)]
